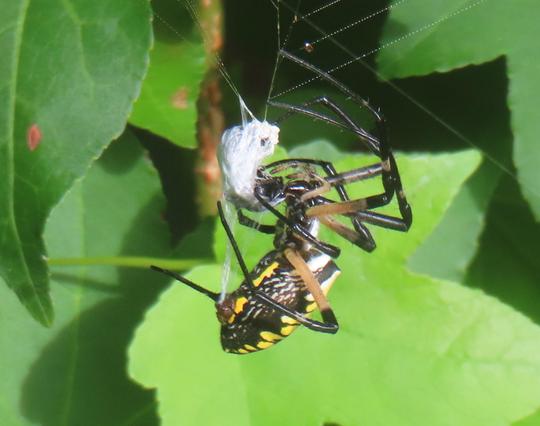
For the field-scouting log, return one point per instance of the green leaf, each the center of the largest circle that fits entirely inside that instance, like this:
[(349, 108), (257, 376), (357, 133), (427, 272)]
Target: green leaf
[(322, 148), (167, 105), (410, 347), (443, 35), (70, 72), (467, 213), (532, 420), (74, 372), (506, 264)]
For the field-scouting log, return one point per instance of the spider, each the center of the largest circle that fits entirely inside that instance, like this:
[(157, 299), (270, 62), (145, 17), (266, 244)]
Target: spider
[(249, 184), (286, 285)]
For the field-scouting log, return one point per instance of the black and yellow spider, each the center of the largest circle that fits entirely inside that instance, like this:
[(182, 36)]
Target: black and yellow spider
[(285, 286), (293, 279)]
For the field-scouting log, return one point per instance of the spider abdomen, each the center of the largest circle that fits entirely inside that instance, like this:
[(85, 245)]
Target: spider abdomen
[(255, 326)]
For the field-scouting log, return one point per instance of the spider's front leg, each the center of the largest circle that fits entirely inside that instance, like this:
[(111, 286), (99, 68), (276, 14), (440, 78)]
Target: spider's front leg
[(250, 223), (346, 123)]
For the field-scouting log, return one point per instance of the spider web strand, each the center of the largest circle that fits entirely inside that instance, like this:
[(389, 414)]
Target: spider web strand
[(357, 22), (313, 12), (357, 58), (419, 105)]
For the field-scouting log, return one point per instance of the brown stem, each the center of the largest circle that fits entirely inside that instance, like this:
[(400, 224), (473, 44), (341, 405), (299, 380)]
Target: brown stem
[(210, 122)]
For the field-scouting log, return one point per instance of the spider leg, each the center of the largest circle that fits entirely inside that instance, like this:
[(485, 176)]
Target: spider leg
[(368, 203), (328, 249), (383, 220), (340, 86), (308, 322), (357, 208), (391, 178), (363, 240), (250, 223), (212, 295), (313, 286), (392, 184), (334, 179), (327, 167), (263, 298), (341, 179), (348, 124)]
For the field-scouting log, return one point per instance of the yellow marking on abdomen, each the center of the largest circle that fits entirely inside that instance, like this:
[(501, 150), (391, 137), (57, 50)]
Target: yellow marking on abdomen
[(265, 274), (311, 307), (288, 329), (270, 337), (288, 320), (263, 345), (238, 307), (239, 304)]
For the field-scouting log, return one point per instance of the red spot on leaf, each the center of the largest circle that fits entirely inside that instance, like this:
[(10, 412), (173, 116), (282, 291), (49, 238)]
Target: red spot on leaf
[(179, 99), (33, 137)]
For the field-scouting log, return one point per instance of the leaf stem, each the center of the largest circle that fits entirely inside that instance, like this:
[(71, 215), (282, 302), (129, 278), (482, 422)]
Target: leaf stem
[(127, 261), (210, 121)]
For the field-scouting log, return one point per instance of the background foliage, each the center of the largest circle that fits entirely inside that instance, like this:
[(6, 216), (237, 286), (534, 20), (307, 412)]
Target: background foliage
[(441, 327)]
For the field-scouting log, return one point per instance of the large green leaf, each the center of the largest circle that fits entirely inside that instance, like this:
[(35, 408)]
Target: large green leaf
[(411, 349), (443, 35), (70, 72), (74, 372)]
